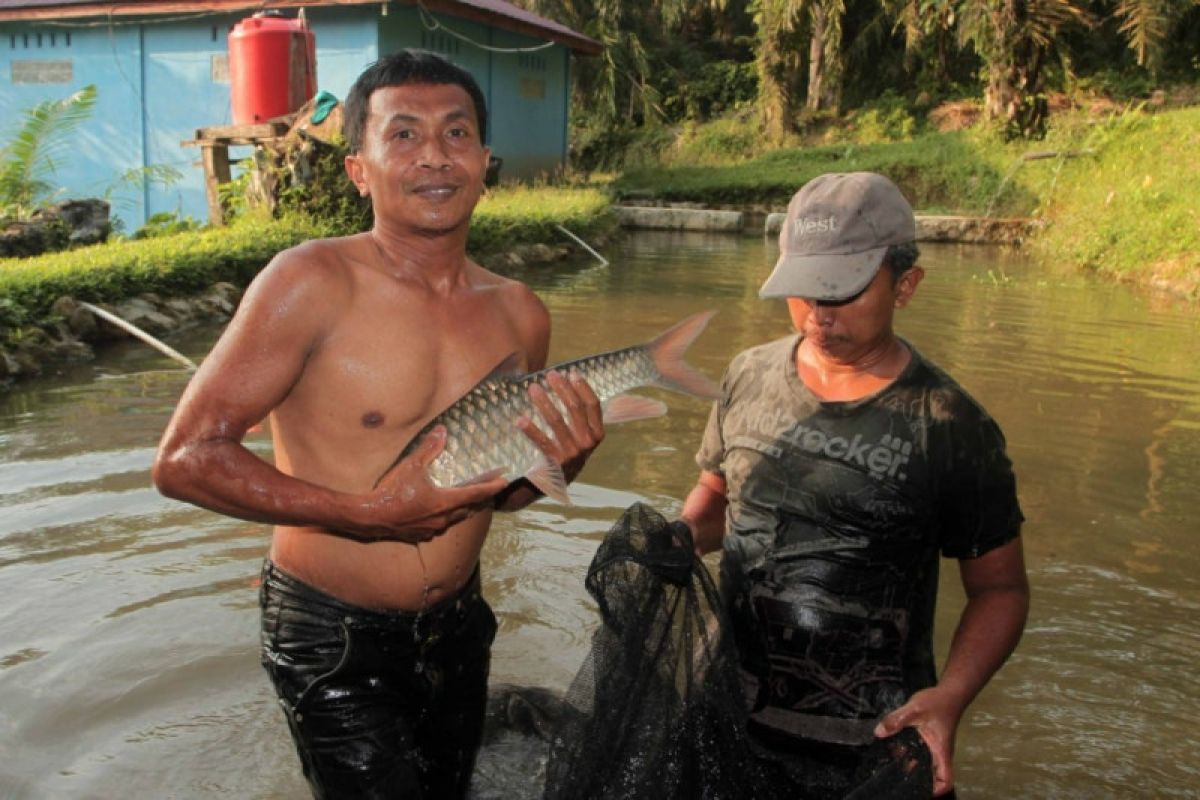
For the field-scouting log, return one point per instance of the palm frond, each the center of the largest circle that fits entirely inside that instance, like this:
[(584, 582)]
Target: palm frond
[(1144, 23), (30, 156)]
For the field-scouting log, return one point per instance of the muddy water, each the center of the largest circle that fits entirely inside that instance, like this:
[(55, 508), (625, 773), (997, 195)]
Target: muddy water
[(128, 663)]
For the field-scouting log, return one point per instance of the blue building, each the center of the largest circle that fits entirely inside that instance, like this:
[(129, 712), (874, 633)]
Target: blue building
[(161, 72)]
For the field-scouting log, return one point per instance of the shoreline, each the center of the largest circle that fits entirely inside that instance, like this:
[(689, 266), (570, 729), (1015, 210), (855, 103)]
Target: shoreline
[(72, 334)]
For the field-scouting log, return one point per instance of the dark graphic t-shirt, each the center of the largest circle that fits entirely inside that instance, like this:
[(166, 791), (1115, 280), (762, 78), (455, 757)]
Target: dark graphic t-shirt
[(837, 514)]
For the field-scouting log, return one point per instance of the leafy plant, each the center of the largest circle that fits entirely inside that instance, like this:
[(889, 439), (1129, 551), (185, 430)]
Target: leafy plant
[(166, 223), (313, 182), (31, 156)]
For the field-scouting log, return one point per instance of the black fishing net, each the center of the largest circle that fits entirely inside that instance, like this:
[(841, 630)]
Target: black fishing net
[(657, 709)]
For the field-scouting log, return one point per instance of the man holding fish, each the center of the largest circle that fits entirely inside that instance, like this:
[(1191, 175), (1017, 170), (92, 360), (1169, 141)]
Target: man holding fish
[(837, 466), (374, 631)]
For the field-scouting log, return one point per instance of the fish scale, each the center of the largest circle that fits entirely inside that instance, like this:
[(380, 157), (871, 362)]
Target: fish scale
[(481, 434)]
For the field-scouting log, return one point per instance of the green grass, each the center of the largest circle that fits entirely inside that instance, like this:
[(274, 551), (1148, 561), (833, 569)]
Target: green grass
[(528, 215), (1134, 210), (1122, 203), (958, 172)]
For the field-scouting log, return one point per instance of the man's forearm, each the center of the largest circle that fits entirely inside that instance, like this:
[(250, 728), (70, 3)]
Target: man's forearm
[(988, 631), (223, 476), (704, 513)]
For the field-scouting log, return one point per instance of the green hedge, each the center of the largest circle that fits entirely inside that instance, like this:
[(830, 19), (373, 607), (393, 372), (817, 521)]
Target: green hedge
[(191, 261), (178, 264)]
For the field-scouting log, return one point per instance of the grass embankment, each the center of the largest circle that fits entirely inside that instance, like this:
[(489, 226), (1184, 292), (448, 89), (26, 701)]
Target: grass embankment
[(522, 215), (1133, 212), (1118, 192)]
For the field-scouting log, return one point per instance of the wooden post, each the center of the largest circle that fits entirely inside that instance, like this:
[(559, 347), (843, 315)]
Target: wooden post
[(214, 145), (216, 172)]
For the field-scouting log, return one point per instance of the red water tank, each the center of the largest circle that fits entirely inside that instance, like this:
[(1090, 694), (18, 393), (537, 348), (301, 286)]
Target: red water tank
[(272, 67)]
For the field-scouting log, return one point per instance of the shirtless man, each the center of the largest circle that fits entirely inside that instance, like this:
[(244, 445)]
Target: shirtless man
[(374, 631)]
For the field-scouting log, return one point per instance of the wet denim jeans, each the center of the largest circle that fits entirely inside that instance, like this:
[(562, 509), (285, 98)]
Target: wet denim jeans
[(380, 704)]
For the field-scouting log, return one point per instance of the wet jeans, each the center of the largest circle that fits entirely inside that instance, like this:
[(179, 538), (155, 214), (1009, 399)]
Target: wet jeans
[(380, 704)]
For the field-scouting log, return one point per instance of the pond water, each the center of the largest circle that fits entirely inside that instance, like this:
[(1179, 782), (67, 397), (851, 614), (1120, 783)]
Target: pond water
[(128, 644)]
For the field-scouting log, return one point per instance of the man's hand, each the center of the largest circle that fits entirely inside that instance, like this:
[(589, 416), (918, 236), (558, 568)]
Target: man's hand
[(577, 432), (988, 630), (935, 714), (405, 506)]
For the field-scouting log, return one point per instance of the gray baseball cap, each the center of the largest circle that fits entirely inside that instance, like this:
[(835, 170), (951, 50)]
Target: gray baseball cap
[(833, 240)]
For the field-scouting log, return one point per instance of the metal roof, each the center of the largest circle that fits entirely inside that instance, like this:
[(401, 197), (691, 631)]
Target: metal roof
[(496, 13)]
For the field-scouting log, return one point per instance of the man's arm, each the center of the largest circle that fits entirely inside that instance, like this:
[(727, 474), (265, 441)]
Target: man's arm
[(990, 626), (281, 321), (704, 512)]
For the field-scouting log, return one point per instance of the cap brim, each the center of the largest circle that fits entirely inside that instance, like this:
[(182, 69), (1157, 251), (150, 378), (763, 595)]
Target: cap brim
[(823, 277)]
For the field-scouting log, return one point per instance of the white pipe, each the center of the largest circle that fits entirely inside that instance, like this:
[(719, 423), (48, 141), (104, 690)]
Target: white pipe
[(583, 244), (137, 332)]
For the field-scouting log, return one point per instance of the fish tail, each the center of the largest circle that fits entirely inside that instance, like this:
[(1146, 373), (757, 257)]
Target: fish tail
[(667, 350)]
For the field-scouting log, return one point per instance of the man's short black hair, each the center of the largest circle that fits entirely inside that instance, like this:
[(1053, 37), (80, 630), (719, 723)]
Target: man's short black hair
[(398, 69), (900, 258)]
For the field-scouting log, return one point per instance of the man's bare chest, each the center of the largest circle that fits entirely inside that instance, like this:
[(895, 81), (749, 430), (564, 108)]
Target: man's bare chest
[(396, 376)]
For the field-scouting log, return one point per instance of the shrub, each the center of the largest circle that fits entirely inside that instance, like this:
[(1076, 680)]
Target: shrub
[(173, 264)]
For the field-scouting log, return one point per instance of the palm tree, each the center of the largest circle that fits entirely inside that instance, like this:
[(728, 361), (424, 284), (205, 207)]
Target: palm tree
[(825, 55), (927, 21), (1014, 39), (619, 85), (778, 63)]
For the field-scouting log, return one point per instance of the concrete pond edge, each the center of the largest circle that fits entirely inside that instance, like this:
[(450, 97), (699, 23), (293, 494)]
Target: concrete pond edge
[(754, 219)]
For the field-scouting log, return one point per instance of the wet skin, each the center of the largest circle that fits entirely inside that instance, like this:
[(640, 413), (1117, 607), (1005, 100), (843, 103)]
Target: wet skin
[(352, 345)]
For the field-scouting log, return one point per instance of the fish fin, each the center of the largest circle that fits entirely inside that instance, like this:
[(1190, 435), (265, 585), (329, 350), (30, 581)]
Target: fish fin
[(549, 479), (667, 353), (629, 407), (508, 368)]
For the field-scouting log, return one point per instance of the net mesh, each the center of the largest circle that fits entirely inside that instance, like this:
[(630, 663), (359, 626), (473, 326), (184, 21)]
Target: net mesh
[(657, 708)]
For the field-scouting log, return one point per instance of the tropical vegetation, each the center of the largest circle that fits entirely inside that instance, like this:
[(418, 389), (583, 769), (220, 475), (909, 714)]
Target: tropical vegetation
[(740, 101), (29, 158), (797, 61)]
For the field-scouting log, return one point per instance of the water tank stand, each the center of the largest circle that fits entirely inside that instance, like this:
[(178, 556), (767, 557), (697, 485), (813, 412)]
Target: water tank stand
[(214, 143)]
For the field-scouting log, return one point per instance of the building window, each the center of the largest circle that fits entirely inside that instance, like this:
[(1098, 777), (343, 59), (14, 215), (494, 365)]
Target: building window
[(532, 62), (42, 71), (220, 68), (38, 39)]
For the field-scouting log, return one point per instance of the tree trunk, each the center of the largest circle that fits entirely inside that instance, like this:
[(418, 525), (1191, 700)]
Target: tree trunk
[(1014, 87), (816, 57), (775, 74)]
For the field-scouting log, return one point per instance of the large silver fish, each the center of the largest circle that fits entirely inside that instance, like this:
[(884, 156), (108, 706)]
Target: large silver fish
[(483, 441)]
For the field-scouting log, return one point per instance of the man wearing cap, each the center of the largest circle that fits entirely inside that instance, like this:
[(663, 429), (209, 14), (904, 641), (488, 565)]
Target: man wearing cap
[(837, 466)]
